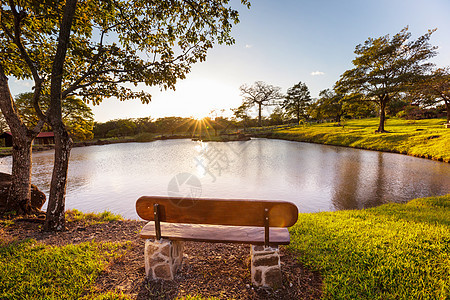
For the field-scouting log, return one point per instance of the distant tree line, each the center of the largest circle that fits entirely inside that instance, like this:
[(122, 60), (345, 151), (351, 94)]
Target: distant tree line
[(162, 126)]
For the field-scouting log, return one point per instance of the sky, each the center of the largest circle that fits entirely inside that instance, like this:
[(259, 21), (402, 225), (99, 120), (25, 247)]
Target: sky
[(281, 43)]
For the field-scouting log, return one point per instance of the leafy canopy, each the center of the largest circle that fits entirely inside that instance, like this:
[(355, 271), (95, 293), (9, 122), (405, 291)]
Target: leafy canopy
[(114, 44), (388, 66), (77, 116), (297, 100)]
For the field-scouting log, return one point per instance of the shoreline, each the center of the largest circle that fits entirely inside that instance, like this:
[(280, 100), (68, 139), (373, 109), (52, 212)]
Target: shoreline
[(265, 135), (269, 136), (416, 138)]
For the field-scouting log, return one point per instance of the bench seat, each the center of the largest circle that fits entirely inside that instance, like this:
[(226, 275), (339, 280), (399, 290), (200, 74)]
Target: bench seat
[(216, 233)]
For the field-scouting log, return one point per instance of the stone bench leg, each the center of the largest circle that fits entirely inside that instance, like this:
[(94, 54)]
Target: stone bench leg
[(265, 268), (162, 258)]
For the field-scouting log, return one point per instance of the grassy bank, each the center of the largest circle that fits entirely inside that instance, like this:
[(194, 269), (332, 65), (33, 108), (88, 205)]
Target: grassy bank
[(395, 251), (422, 138)]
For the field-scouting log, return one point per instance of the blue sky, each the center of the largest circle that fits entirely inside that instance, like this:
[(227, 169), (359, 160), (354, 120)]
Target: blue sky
[(282, 43)]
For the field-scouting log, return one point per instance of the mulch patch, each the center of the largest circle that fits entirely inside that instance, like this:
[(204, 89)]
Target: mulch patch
[(208, 270)]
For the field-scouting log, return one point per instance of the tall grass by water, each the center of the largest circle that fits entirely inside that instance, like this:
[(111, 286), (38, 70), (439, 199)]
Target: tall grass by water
[(394, 251)]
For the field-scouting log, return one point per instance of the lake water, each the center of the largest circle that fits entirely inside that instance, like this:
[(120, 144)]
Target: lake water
[(314, 177)]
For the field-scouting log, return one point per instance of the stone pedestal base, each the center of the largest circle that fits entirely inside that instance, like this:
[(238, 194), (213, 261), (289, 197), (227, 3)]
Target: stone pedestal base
[(266, 268), (162, 258)]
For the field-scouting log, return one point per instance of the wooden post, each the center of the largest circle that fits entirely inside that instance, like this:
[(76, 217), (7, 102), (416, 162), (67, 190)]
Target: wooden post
[(266, 227), (157, 222)]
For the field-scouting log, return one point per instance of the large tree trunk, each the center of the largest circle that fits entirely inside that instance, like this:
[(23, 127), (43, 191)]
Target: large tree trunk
[(63, 143), (19, 197), (55, 219), (447, 107), (259, 114), (383, 102)]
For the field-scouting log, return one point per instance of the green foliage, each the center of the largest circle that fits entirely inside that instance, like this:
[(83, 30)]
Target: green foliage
[(155, 43), (145, 137), (108, 296), (29, 270), (277, 116), (432, 91), (77, 116), (6, 223), (395, 251), (125, 127), (423, 138), (297, 101), (386, 67), (91, 218), (328, 106)]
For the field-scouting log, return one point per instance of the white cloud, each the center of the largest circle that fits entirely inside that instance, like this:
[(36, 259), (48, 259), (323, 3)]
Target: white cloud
[(317, 73), (248, 46)]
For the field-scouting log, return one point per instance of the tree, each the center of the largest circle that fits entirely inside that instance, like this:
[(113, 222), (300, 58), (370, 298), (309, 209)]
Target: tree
[(260, 94), (297, 101), (77, 116), (330, 105), (154, 43), (385, 67), (434, 90), (123, 127), (241, 113), (172, 124), (277, 116)]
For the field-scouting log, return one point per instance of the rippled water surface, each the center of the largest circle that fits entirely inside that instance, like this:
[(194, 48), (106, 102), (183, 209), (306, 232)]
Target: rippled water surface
[(314, 177)]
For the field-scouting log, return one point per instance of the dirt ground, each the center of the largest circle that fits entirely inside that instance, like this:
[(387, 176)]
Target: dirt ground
[(209, 270)]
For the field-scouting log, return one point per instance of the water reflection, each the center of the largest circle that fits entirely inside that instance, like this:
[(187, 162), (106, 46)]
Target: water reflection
[(315, 177)]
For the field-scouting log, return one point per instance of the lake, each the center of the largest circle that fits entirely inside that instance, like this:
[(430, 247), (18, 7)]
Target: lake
[(315, 177)]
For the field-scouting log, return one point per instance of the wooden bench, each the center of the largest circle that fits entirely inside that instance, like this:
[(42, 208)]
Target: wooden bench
[(263, 224)]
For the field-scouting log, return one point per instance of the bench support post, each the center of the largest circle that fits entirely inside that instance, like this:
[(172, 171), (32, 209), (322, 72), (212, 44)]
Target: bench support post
[(157, 222), (265, 266), (266, 228), (162, 258)]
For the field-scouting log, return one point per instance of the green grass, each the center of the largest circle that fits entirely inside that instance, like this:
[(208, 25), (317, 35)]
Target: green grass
[(29, 270), (91, 218), (5, 223), (423, 138), (395, 251)]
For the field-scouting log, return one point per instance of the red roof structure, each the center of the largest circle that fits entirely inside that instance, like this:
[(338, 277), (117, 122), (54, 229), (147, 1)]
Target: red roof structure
[(40, 135), (45, 134)]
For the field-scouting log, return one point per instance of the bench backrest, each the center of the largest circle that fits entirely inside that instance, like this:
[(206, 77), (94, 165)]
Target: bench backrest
[(218, 211)]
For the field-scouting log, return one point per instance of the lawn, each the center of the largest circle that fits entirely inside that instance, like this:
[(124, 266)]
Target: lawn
[(30, 270), (394, 251), (422, 138)]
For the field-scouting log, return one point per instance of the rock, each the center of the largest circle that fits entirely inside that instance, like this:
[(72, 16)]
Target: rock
[(38, 198), (273, 278), (266, 260)]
